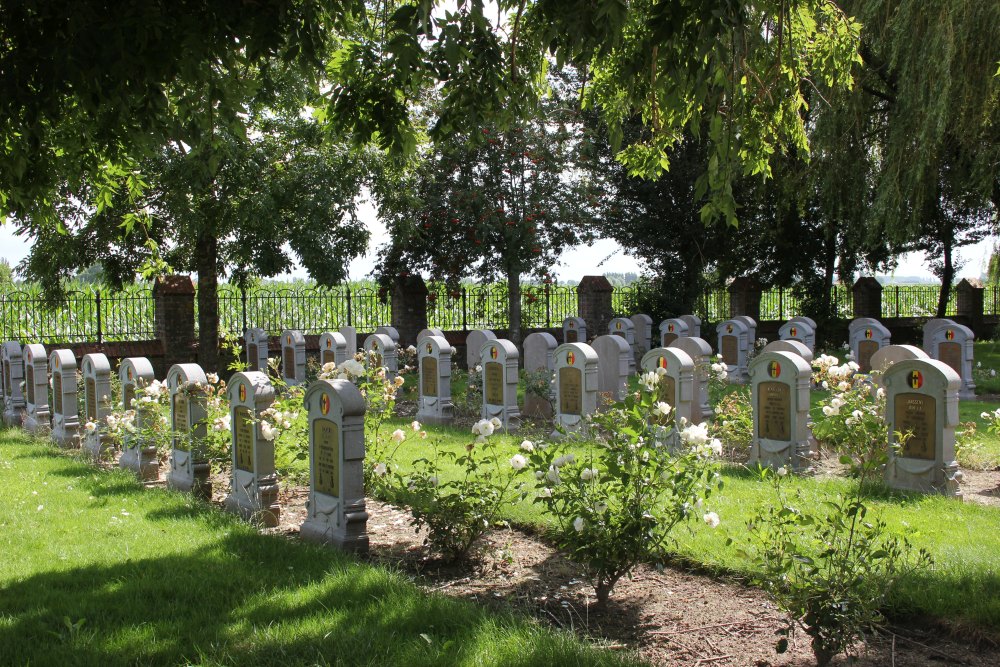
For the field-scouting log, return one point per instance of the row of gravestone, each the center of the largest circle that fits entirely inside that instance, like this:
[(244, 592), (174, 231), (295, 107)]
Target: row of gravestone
[(336, 508)]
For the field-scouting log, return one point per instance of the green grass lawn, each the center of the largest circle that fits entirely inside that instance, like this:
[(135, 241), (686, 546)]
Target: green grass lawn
[(97, 570)]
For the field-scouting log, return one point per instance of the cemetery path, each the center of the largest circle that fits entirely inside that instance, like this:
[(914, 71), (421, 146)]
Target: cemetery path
[(981, 486), (670, 616)]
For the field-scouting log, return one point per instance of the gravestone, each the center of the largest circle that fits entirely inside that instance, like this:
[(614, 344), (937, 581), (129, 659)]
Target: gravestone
[(577, 384), (335, 511), (671, 330), (624, 329), (332, 348), (800, 331), (96, 403), (751, 326), (539, 356), (790, 345), (866, 336), (499, 359), (434, 405), (694, 325), (922, 400), (643, 326), (135, 374), (253, 492), (474, 342), (734, 346), (13, 374), (574, 330), (37, 418), (350, 334), (293, 357), (779, 394), (802, 318), (932, 325), (701, 355), (391, 332), (64, 408), (382, 352), (676, 386), (953, 344), (613, 355), (256, 342), (891, 354), (189, 467), (431, 331)]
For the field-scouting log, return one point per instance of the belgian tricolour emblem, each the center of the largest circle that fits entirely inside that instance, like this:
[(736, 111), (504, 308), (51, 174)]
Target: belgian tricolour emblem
[(243, 392), (916, 379), (324, 404), (774, 369)]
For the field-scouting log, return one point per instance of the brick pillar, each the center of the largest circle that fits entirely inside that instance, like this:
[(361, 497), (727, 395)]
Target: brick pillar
[(744, 298), (409, 308), (173, 303), (969, 296), (593, 304), (867, 296)]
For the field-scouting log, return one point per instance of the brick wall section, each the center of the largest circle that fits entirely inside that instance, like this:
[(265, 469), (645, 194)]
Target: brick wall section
[(867, 297), (173, 298), (409, 308), (744, 298), (593, 304), (969, 302)]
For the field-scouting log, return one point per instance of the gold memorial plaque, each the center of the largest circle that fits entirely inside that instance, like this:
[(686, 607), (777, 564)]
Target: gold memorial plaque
[(252, 357), (917, 414), (30, 384), (866, 348), (181, 413), (774, 410), (668, 393), (57, 393), (493, 374), (730, 350), (951, 354), (326, 450), (327, 357), (667, 339), (572, 335), (428, 376), (243, 428), (128, 395), (570, 391), (288, 362), (90, 390)]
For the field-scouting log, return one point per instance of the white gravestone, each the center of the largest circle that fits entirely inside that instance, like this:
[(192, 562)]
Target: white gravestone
[(13, 374), (574, 330), (432, 331), (751, 326), (932, 325), (922, 401), (734, 346), (474, 342), (802, 318), (350, 334), (539, 356), (391, 332), (953, 344), (499, 359), (434, 361), (671, 330), (779, 394), (189, 468), (624, 329), (293, 357), (335, 511), (135, 374), (253, 492), (382, 351), (886, 356), (37, 418), (256, 342), (643, 326), (96, 403), (577, 384), (675, 369), (694, 325), (701, 354), (866, 336), (793, 346), (800, 331), (613, 355), (333, 348), (65, 415)]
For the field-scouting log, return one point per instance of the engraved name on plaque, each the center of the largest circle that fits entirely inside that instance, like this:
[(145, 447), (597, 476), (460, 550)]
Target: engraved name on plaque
[(775, 407)]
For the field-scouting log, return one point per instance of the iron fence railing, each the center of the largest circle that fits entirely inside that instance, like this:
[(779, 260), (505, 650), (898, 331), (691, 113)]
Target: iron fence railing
[(91, 315), (915, 301)]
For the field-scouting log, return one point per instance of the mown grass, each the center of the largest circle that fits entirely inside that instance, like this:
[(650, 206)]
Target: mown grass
[(97, 570)]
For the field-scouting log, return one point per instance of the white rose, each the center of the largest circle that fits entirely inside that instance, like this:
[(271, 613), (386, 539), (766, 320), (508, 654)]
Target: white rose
[(398, 435), (782, 471), (528, 446), (415, 425), (267, 431), (662, 408), (213, 378), (496, 423), (578, 524), (517, 462), (381, 469), (712, 519)]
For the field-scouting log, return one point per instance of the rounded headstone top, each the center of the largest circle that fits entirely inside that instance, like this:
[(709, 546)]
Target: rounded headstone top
[(931, 371), (541, 336), (802, 318), (141, 367), (674, 357), (509, 349), (733, 327), (434, 345), (786, 362), (893, 354), (606, 340), (331, 339), (292, 337), (793, 346), (11, 348), (34, 352), (62, 361), (95, 362), (185, 373), (693, 345), (382, 340), (582, 353), (240, 384), (350, 400)]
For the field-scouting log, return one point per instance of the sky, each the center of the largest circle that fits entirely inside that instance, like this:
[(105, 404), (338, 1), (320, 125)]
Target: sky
[(603, 256)]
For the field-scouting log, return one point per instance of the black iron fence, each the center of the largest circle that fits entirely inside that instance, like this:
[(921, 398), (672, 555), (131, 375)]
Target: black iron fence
[(486, 306), (309, 309), (79, 316)]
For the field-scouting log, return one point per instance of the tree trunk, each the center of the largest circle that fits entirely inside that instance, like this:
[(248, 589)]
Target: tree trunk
[(514, 304), (829, 271), (207, 263), (947, 271)]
